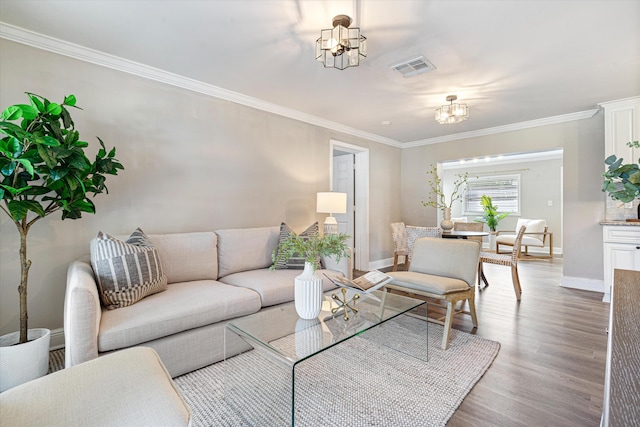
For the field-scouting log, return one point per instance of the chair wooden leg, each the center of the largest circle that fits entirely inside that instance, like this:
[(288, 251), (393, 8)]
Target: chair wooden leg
[(395, 262), (516, 281), (448, 321), (472, 308)]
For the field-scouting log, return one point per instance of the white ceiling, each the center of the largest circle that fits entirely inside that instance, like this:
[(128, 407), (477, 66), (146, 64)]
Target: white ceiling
[(510, 61)]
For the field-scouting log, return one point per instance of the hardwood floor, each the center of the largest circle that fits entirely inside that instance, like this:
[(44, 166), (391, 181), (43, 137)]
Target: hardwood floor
[(551, 365)]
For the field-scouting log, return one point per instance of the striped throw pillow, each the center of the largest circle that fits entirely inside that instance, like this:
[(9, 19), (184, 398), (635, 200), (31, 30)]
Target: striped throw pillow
[(126, 271), (296, 261)]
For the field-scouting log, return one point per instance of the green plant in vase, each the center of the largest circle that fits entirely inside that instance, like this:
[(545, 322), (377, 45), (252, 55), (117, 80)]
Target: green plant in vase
[(622, 181), (311, 248), (491, 217)]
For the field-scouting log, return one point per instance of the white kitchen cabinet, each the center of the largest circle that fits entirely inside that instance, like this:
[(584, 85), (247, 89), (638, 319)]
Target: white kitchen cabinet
[(621, 250)]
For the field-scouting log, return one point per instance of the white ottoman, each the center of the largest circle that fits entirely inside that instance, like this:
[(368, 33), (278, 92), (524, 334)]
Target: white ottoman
[(126, 388)]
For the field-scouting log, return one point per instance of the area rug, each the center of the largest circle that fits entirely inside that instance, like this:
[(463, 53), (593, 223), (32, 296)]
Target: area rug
[(360, 382)]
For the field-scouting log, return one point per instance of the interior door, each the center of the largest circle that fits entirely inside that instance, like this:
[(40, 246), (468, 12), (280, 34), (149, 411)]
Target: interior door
[(343, 182)]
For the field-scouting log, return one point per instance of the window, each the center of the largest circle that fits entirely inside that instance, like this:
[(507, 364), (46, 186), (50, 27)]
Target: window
[(504, 191)]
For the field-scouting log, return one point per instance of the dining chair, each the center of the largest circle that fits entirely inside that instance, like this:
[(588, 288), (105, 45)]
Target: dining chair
[(470, 226), (414, 233), (506, 260), (400, 245)]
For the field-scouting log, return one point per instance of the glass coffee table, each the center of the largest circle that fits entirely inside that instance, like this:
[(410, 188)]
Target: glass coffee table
[(282, 341)]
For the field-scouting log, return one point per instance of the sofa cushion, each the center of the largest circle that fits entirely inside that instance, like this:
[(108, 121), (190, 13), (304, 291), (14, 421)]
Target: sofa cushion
[(297, 260), (126, 271), (188, 256), (181, 307), (274, 287), (245, 249)]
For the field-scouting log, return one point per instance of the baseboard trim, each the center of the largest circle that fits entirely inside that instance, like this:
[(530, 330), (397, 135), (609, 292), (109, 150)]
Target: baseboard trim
[(381, 263), (57, 339), (582, 283)]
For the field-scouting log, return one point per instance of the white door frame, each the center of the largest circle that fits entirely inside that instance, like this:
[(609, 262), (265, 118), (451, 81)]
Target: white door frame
[(361, 199)]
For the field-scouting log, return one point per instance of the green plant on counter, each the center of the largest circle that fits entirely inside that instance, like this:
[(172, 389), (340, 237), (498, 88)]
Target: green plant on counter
[(622, 181)]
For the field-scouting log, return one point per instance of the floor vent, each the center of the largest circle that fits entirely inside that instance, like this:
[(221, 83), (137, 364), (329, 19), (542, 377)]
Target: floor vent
[(413, 66)]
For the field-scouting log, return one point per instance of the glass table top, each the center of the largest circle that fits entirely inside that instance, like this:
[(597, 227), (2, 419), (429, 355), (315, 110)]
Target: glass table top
[(282, 333)]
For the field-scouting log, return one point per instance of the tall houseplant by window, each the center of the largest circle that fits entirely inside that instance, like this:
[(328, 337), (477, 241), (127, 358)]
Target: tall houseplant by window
[(491, 217), (437, 198), (308, 286), (622, 181), (44, 169)]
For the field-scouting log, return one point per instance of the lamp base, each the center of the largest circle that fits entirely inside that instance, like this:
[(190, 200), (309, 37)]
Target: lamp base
[(330, 225)]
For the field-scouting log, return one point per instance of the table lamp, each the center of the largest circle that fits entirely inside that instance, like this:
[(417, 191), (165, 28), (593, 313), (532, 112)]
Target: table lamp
[(330, 202)]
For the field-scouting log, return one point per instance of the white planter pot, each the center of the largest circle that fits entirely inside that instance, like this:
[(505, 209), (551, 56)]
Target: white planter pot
[(308, 293), (20, 363)]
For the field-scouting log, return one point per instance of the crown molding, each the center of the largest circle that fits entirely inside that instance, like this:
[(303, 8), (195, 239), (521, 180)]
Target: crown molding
[(506, 128), (61, 47)]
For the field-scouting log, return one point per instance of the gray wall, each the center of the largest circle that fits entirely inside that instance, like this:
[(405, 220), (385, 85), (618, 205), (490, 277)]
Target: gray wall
[(583, 202), (192, 162)]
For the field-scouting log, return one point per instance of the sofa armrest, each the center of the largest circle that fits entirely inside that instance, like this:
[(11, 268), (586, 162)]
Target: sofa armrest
[(82, 312), (345, 266)]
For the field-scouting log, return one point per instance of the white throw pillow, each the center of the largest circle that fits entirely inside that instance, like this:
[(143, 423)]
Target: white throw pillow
[(533, 226)]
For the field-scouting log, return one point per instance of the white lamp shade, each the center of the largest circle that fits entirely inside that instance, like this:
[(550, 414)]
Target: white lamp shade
[(331, 202)]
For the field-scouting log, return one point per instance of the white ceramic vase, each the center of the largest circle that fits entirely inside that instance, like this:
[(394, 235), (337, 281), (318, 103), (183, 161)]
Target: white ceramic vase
[(446, 224), (20, 363), (308, 293)]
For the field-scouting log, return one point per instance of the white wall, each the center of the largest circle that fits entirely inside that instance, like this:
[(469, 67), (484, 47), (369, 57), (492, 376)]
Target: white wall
[(192, 162), (583, 202)]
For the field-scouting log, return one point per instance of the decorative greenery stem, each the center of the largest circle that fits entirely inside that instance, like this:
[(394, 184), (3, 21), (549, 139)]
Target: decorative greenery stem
[(436, 192)]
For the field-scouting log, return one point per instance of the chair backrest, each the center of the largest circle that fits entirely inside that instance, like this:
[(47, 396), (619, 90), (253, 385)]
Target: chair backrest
[(399, 235), (459, 219), (455, 258), (414, 233), (470, 226), (534, 226), (517, 245)]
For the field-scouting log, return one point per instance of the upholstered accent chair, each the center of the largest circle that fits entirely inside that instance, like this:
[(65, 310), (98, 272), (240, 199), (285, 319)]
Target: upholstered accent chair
[(536, 236), (414, 233), (444, 270), (400, 245), (510, 260)]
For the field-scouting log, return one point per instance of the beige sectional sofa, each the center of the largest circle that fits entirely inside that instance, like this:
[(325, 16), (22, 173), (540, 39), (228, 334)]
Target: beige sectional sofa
[(213, 277)]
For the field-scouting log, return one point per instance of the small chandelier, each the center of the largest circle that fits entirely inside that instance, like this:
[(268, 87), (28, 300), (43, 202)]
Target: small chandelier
[(341, 47), (452, 113)]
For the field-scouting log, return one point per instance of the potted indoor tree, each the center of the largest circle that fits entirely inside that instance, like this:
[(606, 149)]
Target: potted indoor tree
[(622, 181), (44, 169), (438, 199), (491, 217), (308, 285)]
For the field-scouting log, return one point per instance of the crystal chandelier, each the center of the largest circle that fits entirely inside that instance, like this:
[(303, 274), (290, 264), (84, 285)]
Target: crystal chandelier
[(452, 113), (341, 47)]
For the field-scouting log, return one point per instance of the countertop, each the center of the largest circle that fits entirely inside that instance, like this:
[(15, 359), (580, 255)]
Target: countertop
[(619, 223)]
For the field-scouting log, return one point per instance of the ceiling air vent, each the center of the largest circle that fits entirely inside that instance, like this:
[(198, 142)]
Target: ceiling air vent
[(413, 66)]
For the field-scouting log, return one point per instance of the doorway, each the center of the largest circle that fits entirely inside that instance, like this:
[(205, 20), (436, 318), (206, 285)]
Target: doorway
[(349, 173)]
